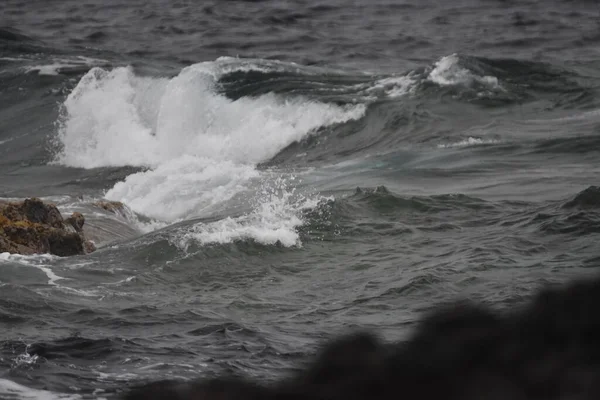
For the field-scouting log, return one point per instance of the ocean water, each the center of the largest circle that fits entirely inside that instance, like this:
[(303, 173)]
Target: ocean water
[(291, 171)]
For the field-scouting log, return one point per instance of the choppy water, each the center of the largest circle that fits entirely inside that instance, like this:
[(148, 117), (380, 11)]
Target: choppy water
[(292, 170)]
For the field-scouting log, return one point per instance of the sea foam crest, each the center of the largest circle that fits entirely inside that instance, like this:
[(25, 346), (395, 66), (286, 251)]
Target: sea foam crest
[(200, 148)]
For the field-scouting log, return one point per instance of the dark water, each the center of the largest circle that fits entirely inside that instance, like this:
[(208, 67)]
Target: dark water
[(291, 171)]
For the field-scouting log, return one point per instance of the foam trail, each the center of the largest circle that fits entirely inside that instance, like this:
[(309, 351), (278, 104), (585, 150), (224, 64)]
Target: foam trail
[(199, 147)]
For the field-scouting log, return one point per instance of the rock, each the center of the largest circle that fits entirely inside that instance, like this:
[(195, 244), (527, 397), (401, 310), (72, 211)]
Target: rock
[(32, 227), (89, 246), (11, 247), (76, 220), (115, 207)]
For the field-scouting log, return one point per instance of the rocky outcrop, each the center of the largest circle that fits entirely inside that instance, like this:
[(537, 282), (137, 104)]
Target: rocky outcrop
[(32, 226)]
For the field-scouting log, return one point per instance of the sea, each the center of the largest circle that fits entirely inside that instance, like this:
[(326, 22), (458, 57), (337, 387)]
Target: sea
[(290, 171)]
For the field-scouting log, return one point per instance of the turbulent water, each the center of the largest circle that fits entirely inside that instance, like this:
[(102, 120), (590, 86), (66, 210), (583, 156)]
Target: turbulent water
[(290, 170)]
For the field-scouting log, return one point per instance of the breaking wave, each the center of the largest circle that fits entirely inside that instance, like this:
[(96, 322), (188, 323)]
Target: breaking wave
[(199, 148)]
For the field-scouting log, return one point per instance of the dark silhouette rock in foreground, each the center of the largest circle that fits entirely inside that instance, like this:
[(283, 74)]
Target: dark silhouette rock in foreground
[(549, 349), (32, 226)]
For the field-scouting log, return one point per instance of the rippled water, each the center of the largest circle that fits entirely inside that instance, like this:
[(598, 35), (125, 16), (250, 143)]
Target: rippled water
[(290, 170)]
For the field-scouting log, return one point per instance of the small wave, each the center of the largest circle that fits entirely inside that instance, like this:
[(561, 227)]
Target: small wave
[(383, 199), (578, 223), (73, 347), (448, 71), (13, 35), (580, 144), (588, 198), (379, 211), (255, 77), (578, 216), (41, 262)]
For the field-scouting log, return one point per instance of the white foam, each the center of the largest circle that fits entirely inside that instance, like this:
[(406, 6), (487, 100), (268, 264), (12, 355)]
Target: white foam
[(60, 64), (50, 69), (52, 277), (447, 72), (200, 147), (274, 220), (200, 184), (114, 118), (13, 390), (25, 360), (470, 141), (116, 377)]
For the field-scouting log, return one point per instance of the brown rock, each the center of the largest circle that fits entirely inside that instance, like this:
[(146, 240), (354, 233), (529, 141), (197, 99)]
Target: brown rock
[(115, 207), (76, 220), (32, 226), (11, 247)]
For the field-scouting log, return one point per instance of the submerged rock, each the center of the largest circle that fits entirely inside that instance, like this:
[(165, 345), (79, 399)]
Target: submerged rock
[(32, 227), (115, 207)]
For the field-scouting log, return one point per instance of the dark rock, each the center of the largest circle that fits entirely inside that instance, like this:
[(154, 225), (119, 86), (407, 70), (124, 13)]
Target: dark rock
[(32, 226), (37, 211), (65, 244)]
